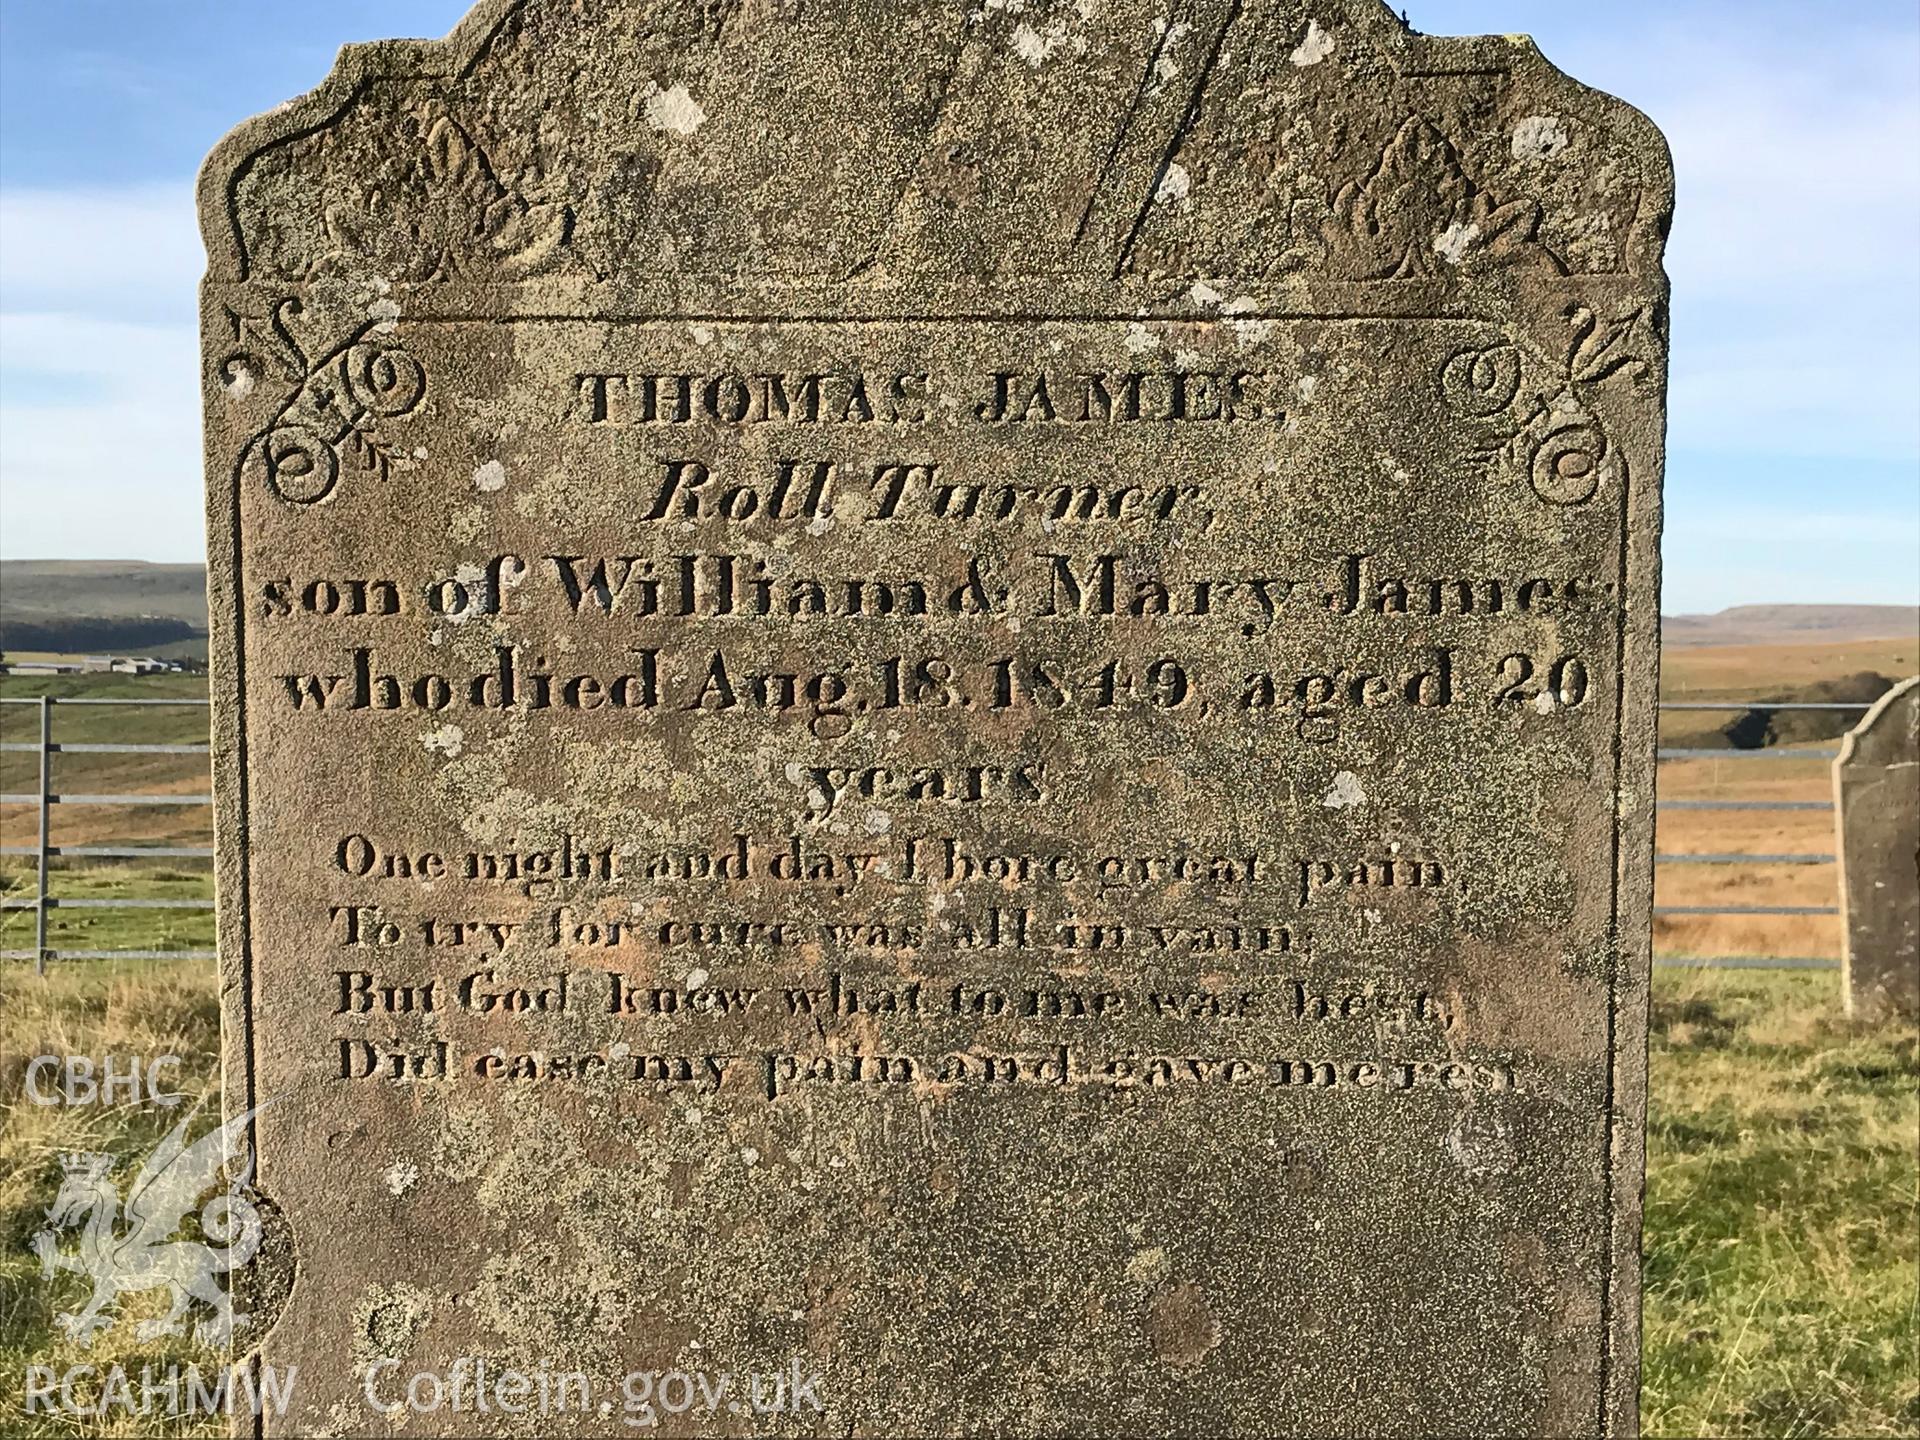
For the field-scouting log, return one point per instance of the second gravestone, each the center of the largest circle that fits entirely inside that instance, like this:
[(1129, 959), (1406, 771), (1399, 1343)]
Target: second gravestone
[(955, 704), (1876, 793)]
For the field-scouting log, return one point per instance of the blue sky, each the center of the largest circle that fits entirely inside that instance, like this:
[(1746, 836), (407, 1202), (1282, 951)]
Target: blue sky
[(1794, 454)]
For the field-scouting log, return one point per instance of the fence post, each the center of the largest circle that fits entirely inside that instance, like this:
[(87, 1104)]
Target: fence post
[(46, 809)]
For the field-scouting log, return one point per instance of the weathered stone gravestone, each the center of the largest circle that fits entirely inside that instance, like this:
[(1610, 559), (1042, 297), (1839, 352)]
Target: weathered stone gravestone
[(1876, 791), (958, 696)]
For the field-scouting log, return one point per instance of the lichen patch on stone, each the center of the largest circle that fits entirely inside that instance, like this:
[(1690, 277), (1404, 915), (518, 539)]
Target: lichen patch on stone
[(1180, 1327), (1539, 137), (1346, 792), (1453, 243), (675, 110), (445, 740), (1315, 47), (1037, 45)]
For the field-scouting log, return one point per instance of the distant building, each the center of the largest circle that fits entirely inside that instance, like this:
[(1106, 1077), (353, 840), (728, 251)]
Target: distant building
[(96, 665)]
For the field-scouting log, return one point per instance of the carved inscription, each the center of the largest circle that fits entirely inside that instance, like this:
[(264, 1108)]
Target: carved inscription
[(817, 606)]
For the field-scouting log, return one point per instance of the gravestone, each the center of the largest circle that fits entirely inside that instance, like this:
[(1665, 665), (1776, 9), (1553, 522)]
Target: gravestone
[(958, 698), (1876, 792)]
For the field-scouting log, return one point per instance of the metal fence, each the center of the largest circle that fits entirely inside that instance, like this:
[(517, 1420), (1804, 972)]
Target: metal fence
[(45, 851), (1767, 962), (47, 797)]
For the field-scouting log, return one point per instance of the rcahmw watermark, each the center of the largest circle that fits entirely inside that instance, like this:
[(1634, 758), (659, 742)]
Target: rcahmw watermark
[(102, 1392)]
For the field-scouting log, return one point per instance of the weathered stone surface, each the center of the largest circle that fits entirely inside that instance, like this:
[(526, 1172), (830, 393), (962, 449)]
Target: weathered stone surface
[(960, 693), (1876, 791)]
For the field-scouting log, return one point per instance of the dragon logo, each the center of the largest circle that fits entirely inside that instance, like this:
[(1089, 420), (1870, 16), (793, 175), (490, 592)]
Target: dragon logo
[(138, 1250)]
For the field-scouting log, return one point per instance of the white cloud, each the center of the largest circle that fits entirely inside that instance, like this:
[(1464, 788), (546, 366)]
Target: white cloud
[(1795, 254), (1839, 547), (1793, 395), (99, 364), (1701, 579), (131, 253), (99, 439), (1794, 178)]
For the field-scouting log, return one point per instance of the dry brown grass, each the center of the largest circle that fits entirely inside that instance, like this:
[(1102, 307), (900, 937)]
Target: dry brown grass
[(1719, 672), (1747, 832), (139, 1008)]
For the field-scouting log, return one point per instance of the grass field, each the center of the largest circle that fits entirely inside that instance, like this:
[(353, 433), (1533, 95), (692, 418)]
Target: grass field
[(1782, 1240), (1740, 672), (1783, 1206), (94, 1009)]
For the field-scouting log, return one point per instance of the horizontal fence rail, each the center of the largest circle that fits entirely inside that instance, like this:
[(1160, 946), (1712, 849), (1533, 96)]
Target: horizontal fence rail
[(129, 852), (1723, 705), (1682, 754), (24, 799), (1744, 962), (46, 797), (179, 702), (1743, 859), (44, 956), (1746, 909), (1744, 805), (56, 903), (53, 749)]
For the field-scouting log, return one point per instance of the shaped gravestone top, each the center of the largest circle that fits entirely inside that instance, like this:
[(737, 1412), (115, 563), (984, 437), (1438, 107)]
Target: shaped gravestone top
[(954, 695), (931, 147)]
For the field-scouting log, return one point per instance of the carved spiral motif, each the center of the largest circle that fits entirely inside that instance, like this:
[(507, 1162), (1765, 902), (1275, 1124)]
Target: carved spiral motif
[(331, 421), (384, 379), (1481, 383), (295, 463), (1568, 463)]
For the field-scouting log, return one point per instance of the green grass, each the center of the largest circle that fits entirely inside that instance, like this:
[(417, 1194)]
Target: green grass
[(1782, 1236), (146, 1008), (111, 929), (127, 687), (1783, 1213)]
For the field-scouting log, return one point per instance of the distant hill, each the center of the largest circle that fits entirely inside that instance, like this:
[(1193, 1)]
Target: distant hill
[(122, 606), (1792, 624)]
